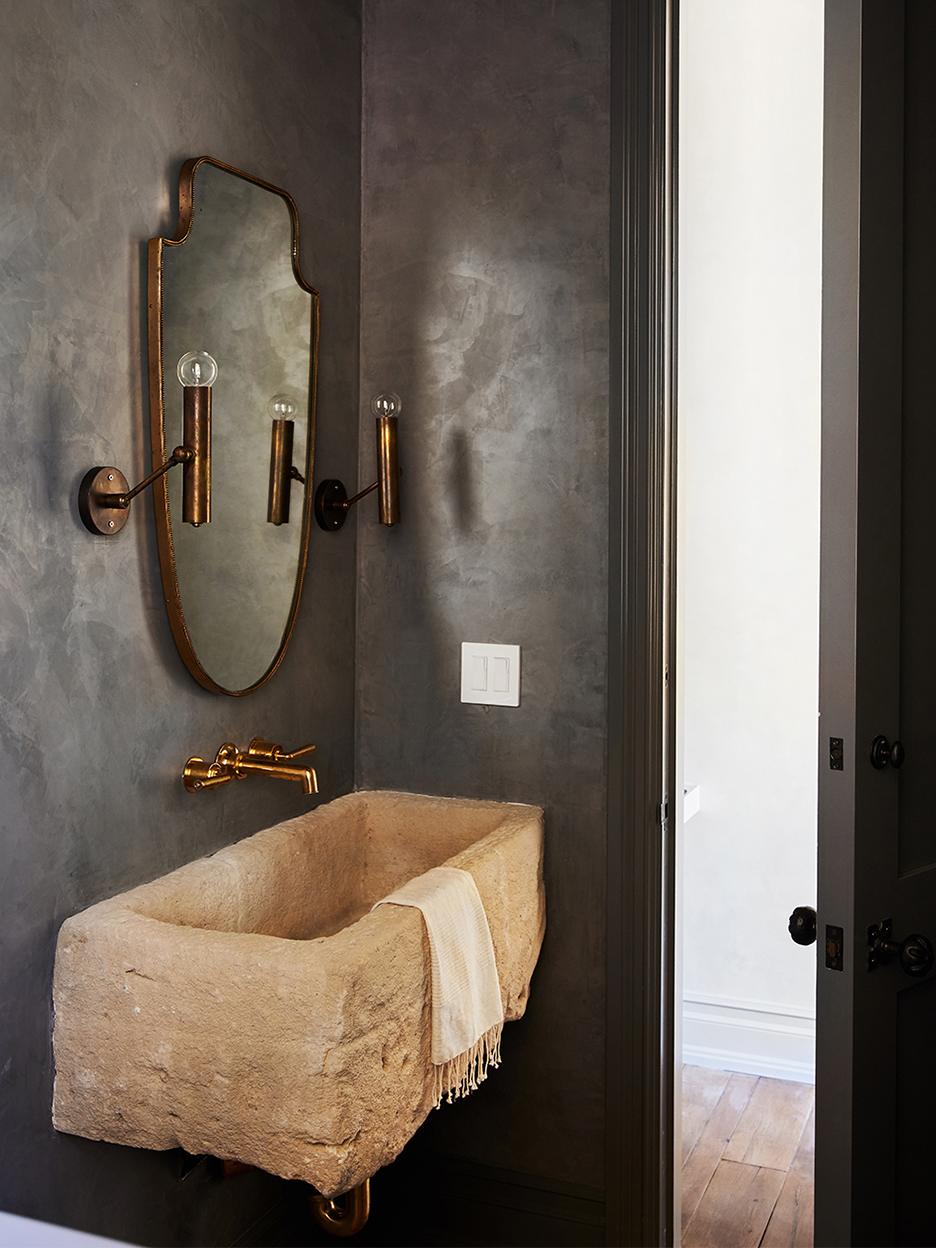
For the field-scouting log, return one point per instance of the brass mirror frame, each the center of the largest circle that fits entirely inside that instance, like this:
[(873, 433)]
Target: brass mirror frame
[(167, 561)]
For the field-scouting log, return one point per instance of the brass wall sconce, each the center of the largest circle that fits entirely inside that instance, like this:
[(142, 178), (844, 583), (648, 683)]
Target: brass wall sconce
[(331, 498), (104, 496), (282, 470)]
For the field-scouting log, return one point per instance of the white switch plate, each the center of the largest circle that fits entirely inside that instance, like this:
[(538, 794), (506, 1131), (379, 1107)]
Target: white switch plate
[(490, 674)]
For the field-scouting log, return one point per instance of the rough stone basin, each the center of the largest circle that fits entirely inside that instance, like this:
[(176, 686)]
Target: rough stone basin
[(251, 1006)]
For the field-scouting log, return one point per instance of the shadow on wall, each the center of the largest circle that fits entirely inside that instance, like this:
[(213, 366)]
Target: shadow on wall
[(484, 454)]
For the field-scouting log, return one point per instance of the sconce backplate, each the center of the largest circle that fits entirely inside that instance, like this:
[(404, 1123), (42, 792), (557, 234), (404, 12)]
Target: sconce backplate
[(98, 484), (331, 504)]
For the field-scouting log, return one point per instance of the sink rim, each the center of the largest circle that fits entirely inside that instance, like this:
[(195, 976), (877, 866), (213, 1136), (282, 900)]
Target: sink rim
[(139, 900)]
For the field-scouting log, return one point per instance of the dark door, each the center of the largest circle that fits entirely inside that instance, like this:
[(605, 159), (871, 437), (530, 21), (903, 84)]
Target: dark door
[(876, 1026)]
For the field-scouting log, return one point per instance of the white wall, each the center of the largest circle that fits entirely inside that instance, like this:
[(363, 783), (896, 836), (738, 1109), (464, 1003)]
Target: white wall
[(748, 393)]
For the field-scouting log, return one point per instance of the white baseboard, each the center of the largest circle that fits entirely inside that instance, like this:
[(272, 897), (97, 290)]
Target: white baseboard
[(753, 1037)]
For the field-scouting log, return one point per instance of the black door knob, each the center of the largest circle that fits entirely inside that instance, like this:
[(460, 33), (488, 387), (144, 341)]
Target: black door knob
[(803, 925), (915, 953), (882, 753)]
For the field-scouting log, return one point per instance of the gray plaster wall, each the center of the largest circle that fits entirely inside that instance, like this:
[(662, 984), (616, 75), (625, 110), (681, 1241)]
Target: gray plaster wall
[(100, 102), (485, 306)]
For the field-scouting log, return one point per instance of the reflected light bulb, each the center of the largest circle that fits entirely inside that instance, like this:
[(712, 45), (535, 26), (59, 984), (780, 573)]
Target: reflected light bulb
[(282, 407), (197, 368), (386, 404)]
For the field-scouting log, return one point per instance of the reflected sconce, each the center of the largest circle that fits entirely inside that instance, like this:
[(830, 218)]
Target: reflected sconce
[(282, 470), (331, 499), (104, 497)]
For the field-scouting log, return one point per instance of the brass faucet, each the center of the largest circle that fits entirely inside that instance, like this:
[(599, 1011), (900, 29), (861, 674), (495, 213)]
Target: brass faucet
[(261, 758)]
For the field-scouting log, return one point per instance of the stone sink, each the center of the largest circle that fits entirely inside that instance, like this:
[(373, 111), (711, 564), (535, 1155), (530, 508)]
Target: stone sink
[(251, 1006)]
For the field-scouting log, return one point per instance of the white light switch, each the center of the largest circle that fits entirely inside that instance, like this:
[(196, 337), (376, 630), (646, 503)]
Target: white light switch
[(479, 669), (501, 680), (490, 674)]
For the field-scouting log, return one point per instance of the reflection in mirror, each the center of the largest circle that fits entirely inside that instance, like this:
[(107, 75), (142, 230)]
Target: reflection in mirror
[(230, 286)]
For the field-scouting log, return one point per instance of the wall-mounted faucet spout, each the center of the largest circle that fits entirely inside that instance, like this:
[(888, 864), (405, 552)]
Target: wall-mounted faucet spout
[(261, 758)]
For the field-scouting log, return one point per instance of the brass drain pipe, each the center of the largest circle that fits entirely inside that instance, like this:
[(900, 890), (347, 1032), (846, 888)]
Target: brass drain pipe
[(342, 1215)]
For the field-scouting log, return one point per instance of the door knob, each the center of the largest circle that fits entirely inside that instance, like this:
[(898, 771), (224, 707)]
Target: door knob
[(915, 953), (803, 925), (883, 753)]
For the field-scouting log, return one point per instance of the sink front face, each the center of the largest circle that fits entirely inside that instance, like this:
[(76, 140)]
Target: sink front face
[(251, 1006)]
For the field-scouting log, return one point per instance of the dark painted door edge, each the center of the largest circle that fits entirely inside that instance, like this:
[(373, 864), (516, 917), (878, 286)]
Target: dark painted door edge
[(640, 874)]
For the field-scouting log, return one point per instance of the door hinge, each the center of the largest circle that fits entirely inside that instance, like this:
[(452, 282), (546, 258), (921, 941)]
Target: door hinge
[(664, 813)]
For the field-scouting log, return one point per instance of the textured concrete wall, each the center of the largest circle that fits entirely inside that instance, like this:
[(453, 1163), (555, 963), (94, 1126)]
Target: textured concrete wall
[(485, 305), (99, 105)]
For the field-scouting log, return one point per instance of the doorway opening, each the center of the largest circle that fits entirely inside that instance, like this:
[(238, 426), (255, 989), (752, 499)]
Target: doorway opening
[(748, 387)]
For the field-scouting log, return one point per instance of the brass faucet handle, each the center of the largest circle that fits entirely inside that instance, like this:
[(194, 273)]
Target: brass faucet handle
[(274, 753), (227, 756), (306, 749), (266, 750), (198, 775)]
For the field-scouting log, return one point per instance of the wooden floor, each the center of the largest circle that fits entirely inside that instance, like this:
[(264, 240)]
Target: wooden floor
[(747, 1173)]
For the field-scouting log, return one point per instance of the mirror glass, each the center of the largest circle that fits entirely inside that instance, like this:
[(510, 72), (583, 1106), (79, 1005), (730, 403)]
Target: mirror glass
[(229, 284)]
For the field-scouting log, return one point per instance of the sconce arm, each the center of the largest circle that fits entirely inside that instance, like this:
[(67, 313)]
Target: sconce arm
[(104, 496), (363, 494), (331, 503), (181, 455)]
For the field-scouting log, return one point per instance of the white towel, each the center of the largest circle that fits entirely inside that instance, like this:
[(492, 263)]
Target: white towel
[(467, 1015)]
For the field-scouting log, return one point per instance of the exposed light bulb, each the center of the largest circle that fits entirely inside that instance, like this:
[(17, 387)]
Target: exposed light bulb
[(197, 368), (386, 404), (282, 407)]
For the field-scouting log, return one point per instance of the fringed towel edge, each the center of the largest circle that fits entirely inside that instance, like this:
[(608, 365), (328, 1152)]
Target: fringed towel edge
[(462, 1074)]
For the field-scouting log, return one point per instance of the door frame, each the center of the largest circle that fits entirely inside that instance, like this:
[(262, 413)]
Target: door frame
[(859, 592), (640, 1015), (861, 239)]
